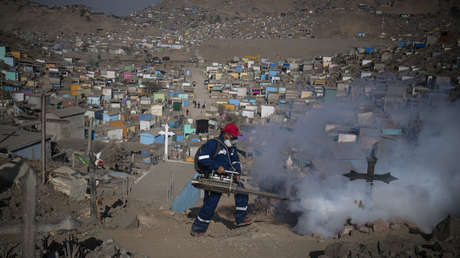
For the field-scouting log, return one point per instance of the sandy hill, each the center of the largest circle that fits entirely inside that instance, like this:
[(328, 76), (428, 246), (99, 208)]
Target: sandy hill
[(277, 6), (35, 18)]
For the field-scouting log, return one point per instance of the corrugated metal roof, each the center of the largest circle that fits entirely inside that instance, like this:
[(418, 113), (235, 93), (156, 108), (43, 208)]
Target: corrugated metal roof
[(69, 111)]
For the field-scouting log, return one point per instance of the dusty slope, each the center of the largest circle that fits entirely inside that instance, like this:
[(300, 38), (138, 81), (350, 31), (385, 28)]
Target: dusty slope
[(282, 48), (167, 235), (274, 6), (42, 19)]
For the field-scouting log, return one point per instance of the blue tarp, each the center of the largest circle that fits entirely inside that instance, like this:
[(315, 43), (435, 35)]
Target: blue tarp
[(160, 139), (273, 65), (263, 77), (187, 198), (110, 117), (419, 45), (391, 131), (179, 138), (182, 96), (402, 44), (281, 102), (8, 60), (286, 65), (8, 88), (175, 124), (239, 69), (145, 117), (147, 138), (369, 49), (273, 72), (271, 89), (235, 102)]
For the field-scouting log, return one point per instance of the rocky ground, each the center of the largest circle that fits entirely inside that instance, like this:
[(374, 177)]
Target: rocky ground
[(142, 230), (162, 233)]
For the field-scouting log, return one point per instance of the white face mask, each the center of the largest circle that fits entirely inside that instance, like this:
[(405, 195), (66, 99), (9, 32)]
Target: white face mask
[(228, 143)]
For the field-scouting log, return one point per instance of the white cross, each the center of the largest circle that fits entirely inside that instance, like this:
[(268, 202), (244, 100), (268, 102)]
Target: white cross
[(166, 133)]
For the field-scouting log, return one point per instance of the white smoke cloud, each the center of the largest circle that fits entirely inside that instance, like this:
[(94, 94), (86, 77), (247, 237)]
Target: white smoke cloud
[(428, 182)]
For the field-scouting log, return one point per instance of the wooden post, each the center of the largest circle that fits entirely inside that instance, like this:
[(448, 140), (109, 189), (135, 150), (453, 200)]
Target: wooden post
[(29, 213), (43, 143), (90, 139), (73, 160), (92, 172)]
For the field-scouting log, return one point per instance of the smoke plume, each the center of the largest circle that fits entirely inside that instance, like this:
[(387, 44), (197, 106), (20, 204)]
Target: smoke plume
[(424, 159)]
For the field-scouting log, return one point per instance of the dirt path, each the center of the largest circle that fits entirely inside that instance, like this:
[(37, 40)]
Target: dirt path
[(201, 94), (169, 236), (152, 189)]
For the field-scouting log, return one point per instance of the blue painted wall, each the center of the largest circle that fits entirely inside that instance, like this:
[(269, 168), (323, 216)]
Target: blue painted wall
[(34, 151)]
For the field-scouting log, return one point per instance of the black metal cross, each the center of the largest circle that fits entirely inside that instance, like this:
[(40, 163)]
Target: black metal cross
[(370, 176)]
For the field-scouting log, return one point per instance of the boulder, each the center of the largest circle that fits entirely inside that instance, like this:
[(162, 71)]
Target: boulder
[(364, 229), (380, 226), (69, 182), (346, 231)]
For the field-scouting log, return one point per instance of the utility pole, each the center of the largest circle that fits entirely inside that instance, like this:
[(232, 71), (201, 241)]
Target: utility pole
[(43, 143)]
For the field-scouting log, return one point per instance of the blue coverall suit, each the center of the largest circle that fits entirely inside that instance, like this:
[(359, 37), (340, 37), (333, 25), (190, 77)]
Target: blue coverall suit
[(229, 161)]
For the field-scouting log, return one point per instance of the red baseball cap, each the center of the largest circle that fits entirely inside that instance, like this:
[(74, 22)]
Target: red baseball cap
[(232, 129)]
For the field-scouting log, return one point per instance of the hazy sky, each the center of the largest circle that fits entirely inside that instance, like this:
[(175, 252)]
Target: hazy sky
[(117, 7)]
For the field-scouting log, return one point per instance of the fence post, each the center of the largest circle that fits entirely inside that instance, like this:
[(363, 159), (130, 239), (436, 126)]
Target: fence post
[(29, 213)]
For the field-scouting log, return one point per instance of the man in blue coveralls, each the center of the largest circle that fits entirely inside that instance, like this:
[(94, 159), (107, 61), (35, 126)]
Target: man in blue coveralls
[(219, 155)]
